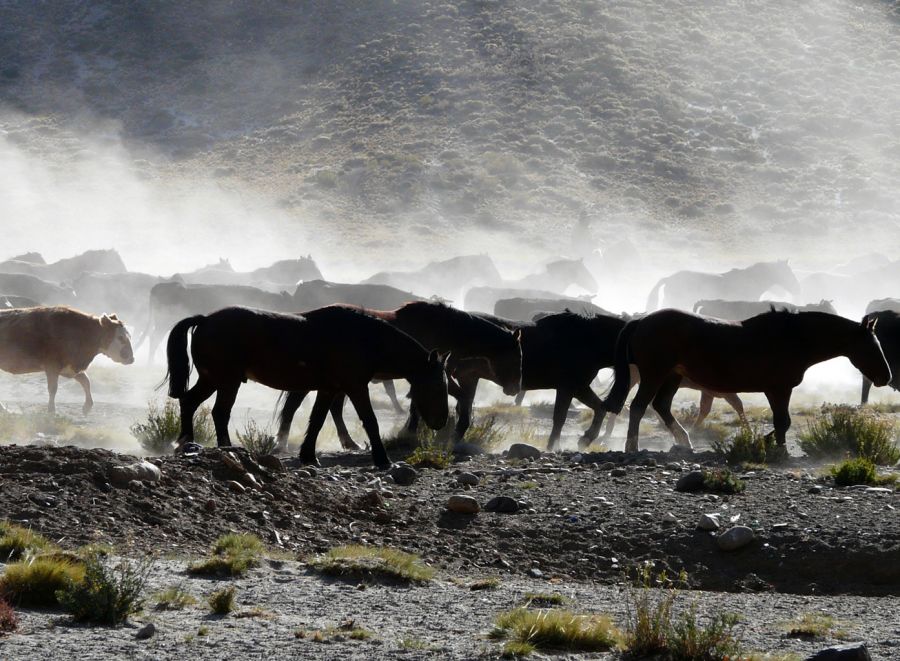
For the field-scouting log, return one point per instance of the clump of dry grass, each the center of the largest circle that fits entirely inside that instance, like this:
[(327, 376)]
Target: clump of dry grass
[(232, 555), (856, 431), (173, 598), (372, 562), (17, 541), (554, 629), (159, 431), (221, 602), (814, 625), (258, 441), (36, 581)]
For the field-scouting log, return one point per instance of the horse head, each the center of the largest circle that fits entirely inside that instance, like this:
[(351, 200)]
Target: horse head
[(866, 354), (428, 391), (573, 271), (784, 276)]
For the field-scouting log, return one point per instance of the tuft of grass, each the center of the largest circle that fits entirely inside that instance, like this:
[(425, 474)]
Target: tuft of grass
[(815, 626), (515, 649), (859, 471), (545, 600), (162, 427), (749, 445), (256, 440), (847, 430), (9, 621), (557, 630), (715, 432), (688, 641), (17, 542), (232, 555), (221, 602), (429, 455), (649, 612), (105, 595), (414, 644), (173, 598), (486, 433), (373, 562), (491, 583), (35, 582), (722, 480)]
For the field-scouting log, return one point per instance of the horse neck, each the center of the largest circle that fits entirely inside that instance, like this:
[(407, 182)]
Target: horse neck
[(398, 351), (823, 336), (442, 329)]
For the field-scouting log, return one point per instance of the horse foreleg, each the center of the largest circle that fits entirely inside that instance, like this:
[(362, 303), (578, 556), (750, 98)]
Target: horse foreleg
[(560, 411), (316, 420), (780, 402), (464, 401), (520, 397), (662, 404), (737, 405), (611, 421), (292, 402), (337, 415), (221, 412), (392, 395), (866, 387), (587, 397), (189, 403), (52, 385), (706, 401), (645, 394), (85, 384), (363, 406)]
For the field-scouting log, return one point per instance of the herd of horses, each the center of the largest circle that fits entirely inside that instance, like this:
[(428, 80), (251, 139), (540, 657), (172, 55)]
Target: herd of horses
[(287, 328)]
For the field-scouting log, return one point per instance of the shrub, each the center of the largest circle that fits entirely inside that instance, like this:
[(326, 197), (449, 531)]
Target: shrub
[(429, 455), (232, 555), (16, 542), (749, 445), (545, 599), (35, 582), (221, 602), (859, 432), (722, 480), (173, 598), (486, 433), (9, 621), (105, 595), (556, 630), (855, 471), (688, 641), (814, 625), (163, 426), (373, 561), (256, 440)]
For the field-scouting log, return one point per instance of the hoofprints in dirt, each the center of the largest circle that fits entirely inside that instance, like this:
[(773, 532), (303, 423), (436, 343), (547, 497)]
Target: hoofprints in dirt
[(587, 520)]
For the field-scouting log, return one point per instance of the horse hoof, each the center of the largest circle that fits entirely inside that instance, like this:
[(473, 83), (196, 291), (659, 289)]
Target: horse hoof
[(584, 442), (309, 461)]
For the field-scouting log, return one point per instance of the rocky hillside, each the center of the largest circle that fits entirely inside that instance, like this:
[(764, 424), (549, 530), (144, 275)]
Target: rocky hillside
[(698, 122)]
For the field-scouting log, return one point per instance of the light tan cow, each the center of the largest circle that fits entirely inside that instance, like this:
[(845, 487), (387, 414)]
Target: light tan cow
[(60, 341)]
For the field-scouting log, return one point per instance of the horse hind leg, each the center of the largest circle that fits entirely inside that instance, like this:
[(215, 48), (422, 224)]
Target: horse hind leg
[(706, 401), (221, 412), (363, 405), (189, 403), (392, 395), (292, 402), (560, 411), (589, 398), (337, 415), (316, 420), (662, 404)]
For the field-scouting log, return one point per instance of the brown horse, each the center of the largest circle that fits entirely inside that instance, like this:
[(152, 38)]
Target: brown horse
[(329, 350), (445, 329), (768, 353)]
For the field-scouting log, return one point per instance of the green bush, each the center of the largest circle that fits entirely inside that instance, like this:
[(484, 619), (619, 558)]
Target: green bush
[(689, 641), (221, 602), (105, 595), (847, 430), (722, 480), (749, 445), (854, 471), (256, 440), (430, 455), (163, 426)]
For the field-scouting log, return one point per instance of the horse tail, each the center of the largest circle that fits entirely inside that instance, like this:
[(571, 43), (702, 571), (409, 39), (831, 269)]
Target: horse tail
[(615, 400), (179, 367), (653, 298)]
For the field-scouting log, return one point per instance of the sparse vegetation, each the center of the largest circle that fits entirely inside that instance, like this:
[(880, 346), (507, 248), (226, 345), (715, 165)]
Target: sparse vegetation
[(347, 629), (688, 641), (715, 433), (430, 455), (163, 425), (814, 625), (859, 471), (9, 621), (16, 542), (105, 595), (232, 555), (372, 562), (858, 432), (221, 602), (749, 445), (545, 600), (722, 480), (256, 440), (491, 583), (515, 649), (35, 582), (554, 629), (486, 433), (173, 598)]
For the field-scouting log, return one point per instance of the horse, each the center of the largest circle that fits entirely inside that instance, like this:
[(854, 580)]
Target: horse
[(768, 353), (882, 304), (319, 293), (887, 329), (445, 278), (524, 309), (557, 276), (445, 329), (735, 310), (69, 268), (685, 287), (330, 350)]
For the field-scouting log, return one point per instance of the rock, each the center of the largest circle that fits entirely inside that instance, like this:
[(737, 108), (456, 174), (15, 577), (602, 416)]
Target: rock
[(235, 486), (735, 538), (463, 504), (576, 458), (690, 482), (816, 488), (468, 479), (136, 486), (403, 474), (668, 517), (534, 572), (467, 449), (618, 472), (709, 522), (146, 631), (674, 466), (523, 451), (606, 466), (503, 504), (849, 652), (272, 462), (42, 499), (120, 476)]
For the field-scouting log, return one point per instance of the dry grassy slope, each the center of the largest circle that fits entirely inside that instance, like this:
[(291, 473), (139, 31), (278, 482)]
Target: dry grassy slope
[(717, 119)]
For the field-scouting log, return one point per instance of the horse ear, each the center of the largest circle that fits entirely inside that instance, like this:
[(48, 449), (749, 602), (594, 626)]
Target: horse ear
[(433, 356), (445, 358), (518, 334)]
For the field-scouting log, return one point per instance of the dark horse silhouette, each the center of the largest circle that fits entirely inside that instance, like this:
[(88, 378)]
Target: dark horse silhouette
[(683, 288), (442, 328), (562, 352), (330, 350), (768, 353), (887, 329)]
